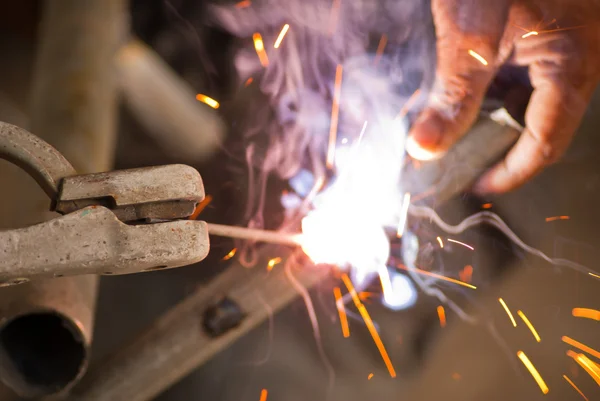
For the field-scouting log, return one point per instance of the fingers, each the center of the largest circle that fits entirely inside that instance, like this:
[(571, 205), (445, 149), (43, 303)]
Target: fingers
[(553, 115), (469, 34)]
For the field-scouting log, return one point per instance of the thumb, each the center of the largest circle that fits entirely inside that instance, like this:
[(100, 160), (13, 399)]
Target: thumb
[(468, 35)]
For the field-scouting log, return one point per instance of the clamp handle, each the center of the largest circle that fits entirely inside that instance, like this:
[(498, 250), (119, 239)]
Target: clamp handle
[(40, 160)]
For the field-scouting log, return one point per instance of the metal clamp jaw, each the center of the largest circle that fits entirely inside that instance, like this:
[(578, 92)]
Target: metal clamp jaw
[(118, 222)]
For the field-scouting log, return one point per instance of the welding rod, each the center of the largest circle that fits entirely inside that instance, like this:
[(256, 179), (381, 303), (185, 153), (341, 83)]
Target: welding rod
[(251, 234), (178, 341)]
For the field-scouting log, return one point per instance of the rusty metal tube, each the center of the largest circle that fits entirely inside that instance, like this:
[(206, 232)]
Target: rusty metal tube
[(179, 342), (46, 326)]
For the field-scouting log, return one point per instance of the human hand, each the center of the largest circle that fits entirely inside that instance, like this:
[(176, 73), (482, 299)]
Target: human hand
[(559, 40)]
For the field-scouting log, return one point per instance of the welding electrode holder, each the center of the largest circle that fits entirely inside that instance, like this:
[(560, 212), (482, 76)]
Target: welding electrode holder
[(117, 222), (437, 181)]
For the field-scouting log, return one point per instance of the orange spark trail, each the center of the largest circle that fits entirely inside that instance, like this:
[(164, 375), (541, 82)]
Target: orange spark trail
[(272, 263), (263, 394), (442, 315), (528, 34), (380, 48), (487, 206), (594, 275), (438, 276), (244, 4), (248, 81), (209, 101), (284, 30), (531, 328), (590, 367), (201, 206), (536, 375), (439, 240), (583, 347), (409, 104), (370, 376), (230, 255), (259, 46), (337, 293), (478, 57), (549, 219), (461, 243), (335, 111), (587, 313), (369, 323), (334, 16), (575, 387), (466, 274), (510, 315)]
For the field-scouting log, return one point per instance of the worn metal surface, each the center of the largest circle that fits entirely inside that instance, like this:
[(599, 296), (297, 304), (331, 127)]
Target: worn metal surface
[(40, 160), (136, 193), (166, 105), (485, 144), (177, 342), (73, 109), (94, 241)]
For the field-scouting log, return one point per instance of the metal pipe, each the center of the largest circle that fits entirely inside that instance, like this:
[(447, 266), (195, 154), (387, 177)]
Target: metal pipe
[(251, 234), (166, 105), (46, 326), (185, 337)]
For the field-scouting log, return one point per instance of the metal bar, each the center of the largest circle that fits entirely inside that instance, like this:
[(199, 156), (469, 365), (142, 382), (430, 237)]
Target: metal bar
[(178, 342), (74, 110), (485, 144)]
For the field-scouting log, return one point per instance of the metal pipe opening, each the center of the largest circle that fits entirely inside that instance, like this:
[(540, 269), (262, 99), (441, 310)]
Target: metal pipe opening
[(41, 353)]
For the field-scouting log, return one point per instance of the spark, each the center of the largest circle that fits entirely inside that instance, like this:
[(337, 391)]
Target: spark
[(369, 323), (590, 367), (442, 315), (230, 255), (263, 394), (403, 215), (439, 240), (587, 313), (339, 303), (575, 387), (364, 295), (409, 104), (510, 315), (370, 376), (335, 111), (380, 48), (248, 81), (259, 46), (583, 347), (466, 273), (272, 263), (207, 100), (478, 57), (244, 4), (530, 33), (461, 243), (456, 376), (487, 206), (549, 219), (438, 276), (284, 30), (334, 16), (531, 328), (594, 275), (386, 282), (201, 206), (536, 375)]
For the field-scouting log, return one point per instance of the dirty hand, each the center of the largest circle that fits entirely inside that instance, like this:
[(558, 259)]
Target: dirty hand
[(559, 40)]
